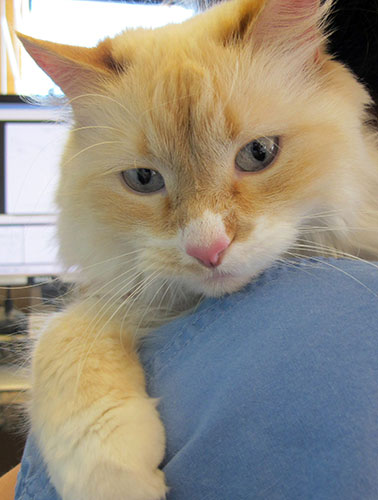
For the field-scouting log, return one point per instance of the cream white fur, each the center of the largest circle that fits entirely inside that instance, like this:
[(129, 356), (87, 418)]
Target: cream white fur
[(203, 230)]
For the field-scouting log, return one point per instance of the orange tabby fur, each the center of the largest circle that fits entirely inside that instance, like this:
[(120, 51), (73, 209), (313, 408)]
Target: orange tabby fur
[(183, 100)]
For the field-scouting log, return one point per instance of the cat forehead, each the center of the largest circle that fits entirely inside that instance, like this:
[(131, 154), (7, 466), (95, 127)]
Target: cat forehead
[(195, 86), (174, 58), (182, 108)]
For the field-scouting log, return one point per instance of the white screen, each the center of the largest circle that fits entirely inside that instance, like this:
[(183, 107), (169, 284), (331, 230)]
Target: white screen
[(11, 245), (40, 245), (32, 155), (28, 249)]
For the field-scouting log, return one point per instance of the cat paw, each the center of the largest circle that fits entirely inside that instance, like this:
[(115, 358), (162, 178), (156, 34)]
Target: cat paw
[(111, 482), (116, 457)]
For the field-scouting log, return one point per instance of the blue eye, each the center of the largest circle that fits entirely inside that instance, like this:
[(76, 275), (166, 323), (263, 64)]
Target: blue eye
[(258, 154), (143, 180)]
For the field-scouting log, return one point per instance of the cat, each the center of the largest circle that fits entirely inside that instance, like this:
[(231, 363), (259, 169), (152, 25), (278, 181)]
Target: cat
[(199, 155)]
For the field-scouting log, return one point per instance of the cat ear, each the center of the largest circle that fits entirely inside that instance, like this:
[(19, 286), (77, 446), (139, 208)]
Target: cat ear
[(294, 25), (289, 25), (74, 69), (231, 22)]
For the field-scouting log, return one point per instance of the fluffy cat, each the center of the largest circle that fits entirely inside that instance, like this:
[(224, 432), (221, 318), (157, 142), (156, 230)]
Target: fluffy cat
[(199, 154)]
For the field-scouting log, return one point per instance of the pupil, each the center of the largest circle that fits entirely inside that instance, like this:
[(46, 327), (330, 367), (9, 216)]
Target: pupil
[(144, 175), (258, 151)]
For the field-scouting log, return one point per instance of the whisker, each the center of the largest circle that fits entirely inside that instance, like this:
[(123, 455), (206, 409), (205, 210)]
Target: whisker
[(137, 292), (119, 293), (110, 259), (104, 308), (89, 127), (51, 280), (316, 229), (84, 150), (143, 285), (293, 263), (102, 96), (340, 253), (147, 310), (105, 285), (342, 271)]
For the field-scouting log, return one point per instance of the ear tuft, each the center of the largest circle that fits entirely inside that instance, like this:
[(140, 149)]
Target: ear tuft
[(297, 26), (286, 25)]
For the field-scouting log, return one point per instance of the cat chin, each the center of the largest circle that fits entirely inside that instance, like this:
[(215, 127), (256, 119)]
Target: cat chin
[(218, 285)]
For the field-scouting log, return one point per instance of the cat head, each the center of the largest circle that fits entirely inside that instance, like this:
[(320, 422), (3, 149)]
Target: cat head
[(200, 151)]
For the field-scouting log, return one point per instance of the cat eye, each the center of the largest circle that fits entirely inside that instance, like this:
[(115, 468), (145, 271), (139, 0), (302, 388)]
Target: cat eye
[(143, 180), (258, 154)]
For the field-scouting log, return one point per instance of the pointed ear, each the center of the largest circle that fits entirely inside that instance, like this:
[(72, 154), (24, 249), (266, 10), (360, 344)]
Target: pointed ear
[(283, 24), (74, 69), (294, 25)]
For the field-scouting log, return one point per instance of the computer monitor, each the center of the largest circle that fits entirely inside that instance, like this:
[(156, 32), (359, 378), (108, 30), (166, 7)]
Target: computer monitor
[(31, 143)]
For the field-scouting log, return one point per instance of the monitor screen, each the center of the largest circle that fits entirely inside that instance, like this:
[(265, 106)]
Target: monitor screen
[(29, 169), (28, 249), (32, 153)]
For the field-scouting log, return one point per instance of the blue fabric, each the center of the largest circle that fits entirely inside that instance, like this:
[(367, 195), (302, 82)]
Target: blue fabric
[(270, 393)]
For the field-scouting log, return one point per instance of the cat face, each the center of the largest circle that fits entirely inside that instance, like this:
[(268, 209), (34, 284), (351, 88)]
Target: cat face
[(201, 150)]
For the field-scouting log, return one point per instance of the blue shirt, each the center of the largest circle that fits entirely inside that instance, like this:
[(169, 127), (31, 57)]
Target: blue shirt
[(270, 393)]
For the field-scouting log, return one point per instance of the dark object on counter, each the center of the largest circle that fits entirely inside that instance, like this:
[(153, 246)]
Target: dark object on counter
[(12, 321)]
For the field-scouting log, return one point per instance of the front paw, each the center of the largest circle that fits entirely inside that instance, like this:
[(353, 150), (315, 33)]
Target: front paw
[(116, 457), (111, 481)]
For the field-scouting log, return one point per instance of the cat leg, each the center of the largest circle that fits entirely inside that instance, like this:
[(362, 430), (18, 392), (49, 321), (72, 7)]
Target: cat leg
[(98, 431)]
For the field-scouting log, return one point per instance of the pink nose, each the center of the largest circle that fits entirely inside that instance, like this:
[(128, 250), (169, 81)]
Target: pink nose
[(209, 256)]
